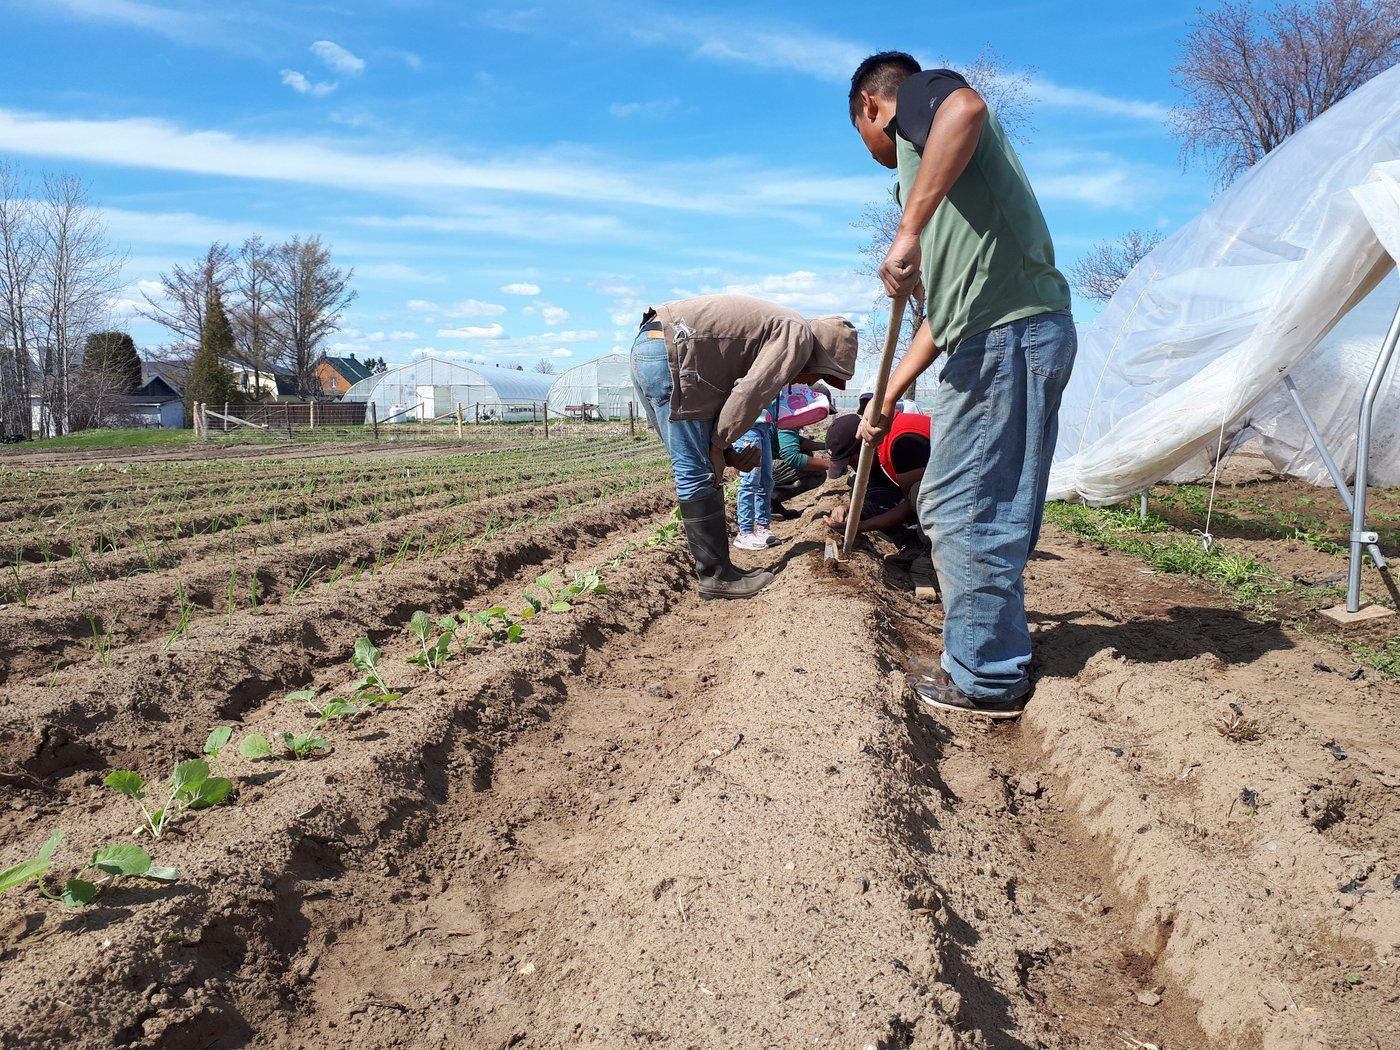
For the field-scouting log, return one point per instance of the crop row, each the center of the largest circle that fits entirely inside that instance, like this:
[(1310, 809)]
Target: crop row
[(198, 785), (47, 541), (97, 618)]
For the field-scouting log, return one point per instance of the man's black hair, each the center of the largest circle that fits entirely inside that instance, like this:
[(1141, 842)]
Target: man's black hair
[(881, 74)]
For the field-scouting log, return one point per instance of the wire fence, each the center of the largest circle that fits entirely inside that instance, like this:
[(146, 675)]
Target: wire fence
[(362, 421)]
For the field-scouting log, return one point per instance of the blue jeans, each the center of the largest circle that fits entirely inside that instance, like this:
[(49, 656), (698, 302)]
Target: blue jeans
[(995, 416), (756, 486), (687, 441)]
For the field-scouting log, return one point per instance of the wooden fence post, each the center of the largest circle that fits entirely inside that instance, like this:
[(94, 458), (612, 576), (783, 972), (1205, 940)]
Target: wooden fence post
[(459, 421), (225, 417), (631, 418), (313, 415), (374, 419), (476, 413), (546, 420), (201, 420)]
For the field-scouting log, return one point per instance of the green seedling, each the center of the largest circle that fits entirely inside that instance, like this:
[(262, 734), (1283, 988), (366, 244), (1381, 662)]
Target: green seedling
[(182, 625), (366, 661), (190, 787), (117, 861), (432, 655), (497, 621), (298, 745), (217, 740), (101, 641), (330, 711)]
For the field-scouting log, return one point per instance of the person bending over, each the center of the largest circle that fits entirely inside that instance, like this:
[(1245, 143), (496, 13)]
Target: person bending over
[(799, 465), (703, 369), (972, 232), (901, 460)]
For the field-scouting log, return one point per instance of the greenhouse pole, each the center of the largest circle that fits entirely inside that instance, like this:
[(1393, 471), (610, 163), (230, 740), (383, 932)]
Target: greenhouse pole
[(1327, 461), (1359, 534)]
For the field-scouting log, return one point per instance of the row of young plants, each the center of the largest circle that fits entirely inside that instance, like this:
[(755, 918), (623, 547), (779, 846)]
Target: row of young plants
[(199, 784), (49, 540), (250, 591), (44, 494), (27, 582)]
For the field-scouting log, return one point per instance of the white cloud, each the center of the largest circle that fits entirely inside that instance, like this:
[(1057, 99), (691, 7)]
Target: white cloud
[(723, 185), (551, 314), (380, 337), (302, 86), (397, 272), (1051, 94), (338, 58), (658, 107), (1093, 177), (520, 288), (807, 292), (490, 331), (465, 308), (561, 352), (762, 45), (169, 22)]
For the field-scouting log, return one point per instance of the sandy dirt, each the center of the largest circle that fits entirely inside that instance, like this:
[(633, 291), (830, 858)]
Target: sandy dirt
[(659, 821)]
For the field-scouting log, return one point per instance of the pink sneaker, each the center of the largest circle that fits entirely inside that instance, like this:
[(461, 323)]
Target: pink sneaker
[(765, 536), (747, 541)]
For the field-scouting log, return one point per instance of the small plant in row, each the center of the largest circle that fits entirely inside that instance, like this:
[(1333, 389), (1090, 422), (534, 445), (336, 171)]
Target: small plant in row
[(108, 865), (191, 786)]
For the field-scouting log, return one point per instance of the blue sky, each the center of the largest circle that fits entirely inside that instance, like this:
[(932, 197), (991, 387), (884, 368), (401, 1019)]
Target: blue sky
[(514, 182)]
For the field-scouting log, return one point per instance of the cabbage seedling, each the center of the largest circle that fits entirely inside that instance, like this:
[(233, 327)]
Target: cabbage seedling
[(298, 745), (190, 787), (431, 656), (117, 861), (327, 712), (366, 661)]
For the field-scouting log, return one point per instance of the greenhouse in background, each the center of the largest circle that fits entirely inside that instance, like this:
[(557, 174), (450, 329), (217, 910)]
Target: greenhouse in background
[(597, 389), (431, 388)]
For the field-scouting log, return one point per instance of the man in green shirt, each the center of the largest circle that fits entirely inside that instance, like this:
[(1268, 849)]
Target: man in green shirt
[(973, 235)]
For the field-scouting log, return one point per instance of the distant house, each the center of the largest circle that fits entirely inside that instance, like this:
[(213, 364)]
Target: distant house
[(339, 374)]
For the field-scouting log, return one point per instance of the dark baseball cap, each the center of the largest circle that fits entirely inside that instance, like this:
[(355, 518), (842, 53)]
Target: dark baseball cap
[(842, 443)]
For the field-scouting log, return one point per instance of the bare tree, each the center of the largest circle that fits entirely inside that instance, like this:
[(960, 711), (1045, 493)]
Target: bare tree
[(19, 259), (250, 310), (544, 366), (307, 294), (1009, 93), (184, 293), (1099, 273), (1252, 80), (76, 279)]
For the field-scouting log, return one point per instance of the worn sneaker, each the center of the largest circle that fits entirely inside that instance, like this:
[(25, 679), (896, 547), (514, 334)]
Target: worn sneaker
[(940, 692), (765, 535), (747, 541)]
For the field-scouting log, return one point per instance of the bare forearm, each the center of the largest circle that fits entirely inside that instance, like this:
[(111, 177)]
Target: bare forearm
[(952, 139), (916, 360), (900, 514)]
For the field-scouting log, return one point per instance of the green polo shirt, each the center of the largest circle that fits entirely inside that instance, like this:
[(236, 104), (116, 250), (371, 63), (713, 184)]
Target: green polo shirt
[(987, 254)]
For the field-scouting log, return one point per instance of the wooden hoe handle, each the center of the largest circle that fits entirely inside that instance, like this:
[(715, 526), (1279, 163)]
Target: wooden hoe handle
[(876, 406)]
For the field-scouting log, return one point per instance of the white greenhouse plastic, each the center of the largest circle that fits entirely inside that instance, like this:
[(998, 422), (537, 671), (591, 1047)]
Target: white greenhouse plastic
[(1193, 347), (430, 387), (605, 383)]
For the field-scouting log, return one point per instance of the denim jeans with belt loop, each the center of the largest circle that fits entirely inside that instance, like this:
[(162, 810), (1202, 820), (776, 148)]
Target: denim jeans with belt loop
[(995, 418), (687, 441)]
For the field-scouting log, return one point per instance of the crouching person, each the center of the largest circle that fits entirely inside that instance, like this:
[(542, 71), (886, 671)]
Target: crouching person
[(704, 369), (901, 459)]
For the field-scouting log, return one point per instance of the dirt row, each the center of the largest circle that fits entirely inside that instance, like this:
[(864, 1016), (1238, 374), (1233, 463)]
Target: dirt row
[(658, 821), (244, 525)]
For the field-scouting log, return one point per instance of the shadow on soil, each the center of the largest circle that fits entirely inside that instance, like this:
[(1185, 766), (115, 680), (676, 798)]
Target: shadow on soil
[(1181, 633)]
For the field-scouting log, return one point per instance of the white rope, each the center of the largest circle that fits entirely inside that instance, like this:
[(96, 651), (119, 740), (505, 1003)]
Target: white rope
[(1208, 540)]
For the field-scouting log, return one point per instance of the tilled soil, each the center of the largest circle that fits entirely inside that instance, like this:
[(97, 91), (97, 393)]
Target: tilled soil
[(657, 821)]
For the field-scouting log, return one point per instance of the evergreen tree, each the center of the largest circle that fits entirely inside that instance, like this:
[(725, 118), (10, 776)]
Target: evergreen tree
[(114, 352), (210, 379)]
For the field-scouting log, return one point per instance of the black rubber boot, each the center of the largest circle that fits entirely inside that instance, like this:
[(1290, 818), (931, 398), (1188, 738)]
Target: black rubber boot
[(708, 536)]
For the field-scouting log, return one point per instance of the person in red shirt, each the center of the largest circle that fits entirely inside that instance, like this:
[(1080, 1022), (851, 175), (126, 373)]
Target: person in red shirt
[(902, 458)]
